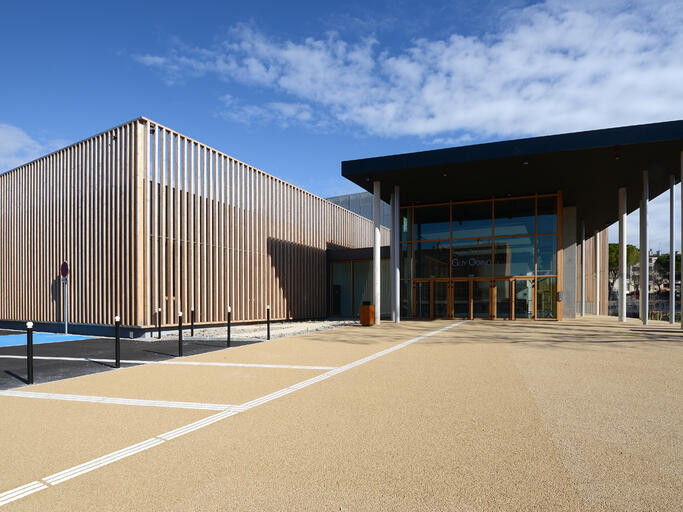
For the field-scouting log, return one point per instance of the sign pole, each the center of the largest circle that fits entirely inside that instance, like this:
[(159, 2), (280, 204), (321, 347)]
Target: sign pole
[(64, 272)]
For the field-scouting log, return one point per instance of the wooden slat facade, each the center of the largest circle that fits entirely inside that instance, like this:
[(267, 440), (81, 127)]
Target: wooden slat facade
[(150, 219)]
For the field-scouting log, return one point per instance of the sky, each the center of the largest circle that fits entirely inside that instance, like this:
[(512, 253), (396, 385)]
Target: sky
[(294, 88)]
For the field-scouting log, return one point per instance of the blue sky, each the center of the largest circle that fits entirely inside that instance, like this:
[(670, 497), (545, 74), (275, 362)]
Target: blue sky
[(295, 87)]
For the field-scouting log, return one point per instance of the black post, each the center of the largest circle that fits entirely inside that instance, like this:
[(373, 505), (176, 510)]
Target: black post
[(180, 334), (229, 315), (29, 352), (268, 320), (192, 323), (159, 322), (117, 345)]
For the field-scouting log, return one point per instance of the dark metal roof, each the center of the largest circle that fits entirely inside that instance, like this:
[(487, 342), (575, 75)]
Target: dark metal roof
[(587, 166)]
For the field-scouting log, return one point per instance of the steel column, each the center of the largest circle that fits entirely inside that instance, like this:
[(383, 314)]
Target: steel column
[(622, 254), (396, 270), (376, 280), (392, 256), (583, 268), (672, 253), (644, 253), (596, 253)]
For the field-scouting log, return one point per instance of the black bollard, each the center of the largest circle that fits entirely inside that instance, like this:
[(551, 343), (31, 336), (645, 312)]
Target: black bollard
[(29, 352), (192, 323), (268, 321), (180, 334), (117, 343), (159, 322), (229, 315)]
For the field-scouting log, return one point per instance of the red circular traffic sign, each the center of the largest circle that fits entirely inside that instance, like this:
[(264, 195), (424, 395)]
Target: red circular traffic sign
[(64, 269)]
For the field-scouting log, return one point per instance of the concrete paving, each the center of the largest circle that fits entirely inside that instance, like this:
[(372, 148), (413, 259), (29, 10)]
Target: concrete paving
[(579, 415)]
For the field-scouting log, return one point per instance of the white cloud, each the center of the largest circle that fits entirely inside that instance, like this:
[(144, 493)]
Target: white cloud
[(16, 147), (557, 67)]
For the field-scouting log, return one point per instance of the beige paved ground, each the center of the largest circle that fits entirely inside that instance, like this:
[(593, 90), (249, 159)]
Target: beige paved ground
[(582, 415)]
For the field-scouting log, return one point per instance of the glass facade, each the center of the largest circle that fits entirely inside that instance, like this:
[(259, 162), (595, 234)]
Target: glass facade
[(492, 258), (351, 285)]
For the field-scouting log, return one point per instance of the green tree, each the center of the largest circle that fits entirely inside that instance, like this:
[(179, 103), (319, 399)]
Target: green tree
[(632, 257), (662, 266)]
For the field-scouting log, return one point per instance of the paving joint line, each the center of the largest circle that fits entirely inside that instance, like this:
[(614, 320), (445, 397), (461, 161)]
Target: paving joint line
[(86, 467)]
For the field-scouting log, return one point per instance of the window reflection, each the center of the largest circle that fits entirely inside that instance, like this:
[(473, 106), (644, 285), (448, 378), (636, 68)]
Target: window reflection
[(431, 259), (406, 220), (514, 256), (547, 255), (514, 217), (432, 223), (547, 214), (471, 258), (472, 220), (546, 297)]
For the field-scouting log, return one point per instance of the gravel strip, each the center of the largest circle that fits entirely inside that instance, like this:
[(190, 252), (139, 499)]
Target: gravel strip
[(258, 331)]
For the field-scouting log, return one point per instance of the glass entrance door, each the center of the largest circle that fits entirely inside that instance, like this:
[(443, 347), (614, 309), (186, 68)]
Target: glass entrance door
[(503, 299), (481, 299), (461, 299), (440, 299), (524, 299), (422, 299)]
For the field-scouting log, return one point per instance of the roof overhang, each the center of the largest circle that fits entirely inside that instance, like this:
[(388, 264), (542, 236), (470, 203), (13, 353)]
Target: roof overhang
[(588, 167)]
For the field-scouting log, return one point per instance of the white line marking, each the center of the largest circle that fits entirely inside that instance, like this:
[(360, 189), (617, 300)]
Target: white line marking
[(20, 492), (181, 363), (86, 467), (81, 469), (118, 401)]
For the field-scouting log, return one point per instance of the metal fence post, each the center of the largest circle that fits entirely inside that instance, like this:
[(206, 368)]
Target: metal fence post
[(229, 319), (268, 320), (29, 352), (159, 322), (180, 334), (117, 344), (192, 322)]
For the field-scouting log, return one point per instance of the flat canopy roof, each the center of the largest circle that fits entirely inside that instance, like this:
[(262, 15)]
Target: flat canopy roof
[(587, 166)]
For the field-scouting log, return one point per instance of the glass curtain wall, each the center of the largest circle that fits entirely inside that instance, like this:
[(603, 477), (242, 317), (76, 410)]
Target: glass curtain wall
[(351, 285), (484, 241)]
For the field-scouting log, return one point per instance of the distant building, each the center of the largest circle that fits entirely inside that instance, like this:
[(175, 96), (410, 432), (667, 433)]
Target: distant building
[(361, 204)]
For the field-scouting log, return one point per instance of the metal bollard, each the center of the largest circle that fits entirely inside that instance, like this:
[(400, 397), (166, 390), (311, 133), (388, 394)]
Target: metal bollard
[(229, 317), (268, 321), (29, 352), (117, 343), (192, 322), (180, 334), (159, 322)]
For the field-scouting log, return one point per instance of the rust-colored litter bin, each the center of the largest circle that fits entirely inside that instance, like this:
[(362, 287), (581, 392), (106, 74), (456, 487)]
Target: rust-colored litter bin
[(367, 314)]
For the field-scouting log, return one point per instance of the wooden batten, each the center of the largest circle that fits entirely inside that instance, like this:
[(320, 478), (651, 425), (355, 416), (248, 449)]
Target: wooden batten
[(148, 218)]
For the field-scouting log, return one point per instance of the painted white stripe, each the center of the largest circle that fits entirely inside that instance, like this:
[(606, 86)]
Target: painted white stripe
[(20, 492), (118, 401), (86, 467), (181, 363)]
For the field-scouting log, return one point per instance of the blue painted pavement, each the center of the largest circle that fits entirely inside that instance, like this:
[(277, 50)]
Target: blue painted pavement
[(12, 340)]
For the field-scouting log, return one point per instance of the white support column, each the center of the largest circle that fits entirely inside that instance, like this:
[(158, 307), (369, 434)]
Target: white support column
[(376, 280), (672, 253), (392, 255), (596, 254), (396, 270), (644, 256), (583, 268), (622, 254)]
